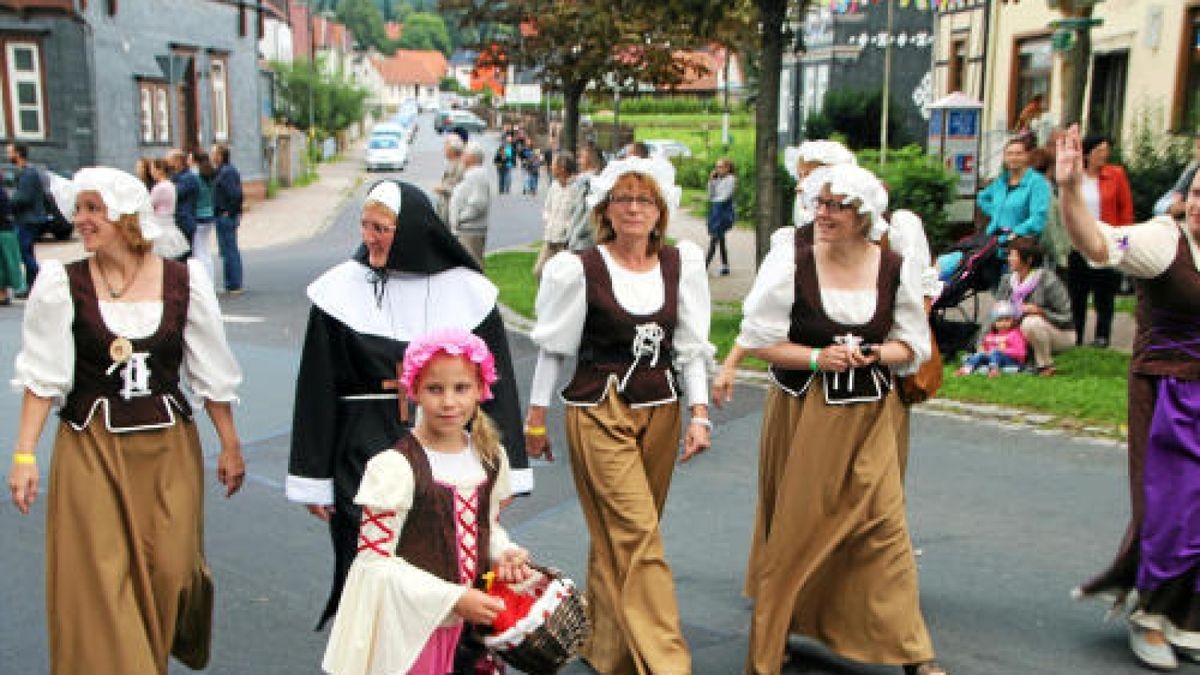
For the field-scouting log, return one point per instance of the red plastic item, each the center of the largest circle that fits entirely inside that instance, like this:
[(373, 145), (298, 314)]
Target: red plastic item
[(516, 606)]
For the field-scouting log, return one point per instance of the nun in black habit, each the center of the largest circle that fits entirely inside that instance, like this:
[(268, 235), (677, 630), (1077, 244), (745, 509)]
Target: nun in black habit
[(409, 277)]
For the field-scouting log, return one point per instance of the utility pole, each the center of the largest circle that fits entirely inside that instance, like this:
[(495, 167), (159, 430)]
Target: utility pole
[(887, 83)]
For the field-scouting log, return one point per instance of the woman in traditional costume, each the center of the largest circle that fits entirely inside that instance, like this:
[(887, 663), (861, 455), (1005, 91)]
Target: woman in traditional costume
[(409, 277), (106, 339), (635, 312), (1158, 557), (831, 553)]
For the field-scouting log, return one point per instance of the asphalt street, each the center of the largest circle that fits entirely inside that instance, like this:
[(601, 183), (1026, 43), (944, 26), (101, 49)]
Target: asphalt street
[(1007, 521)]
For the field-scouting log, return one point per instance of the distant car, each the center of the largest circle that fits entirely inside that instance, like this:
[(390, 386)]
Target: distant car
[(446, 120), (664, 147), (387, 151)]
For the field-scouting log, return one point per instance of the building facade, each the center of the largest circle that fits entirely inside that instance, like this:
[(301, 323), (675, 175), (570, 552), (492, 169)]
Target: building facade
[(847, 51), (101, 82), (1144, 67)]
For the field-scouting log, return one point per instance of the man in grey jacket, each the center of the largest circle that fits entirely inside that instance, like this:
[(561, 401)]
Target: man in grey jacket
[(451, 176), (469, 203), (28, 209)]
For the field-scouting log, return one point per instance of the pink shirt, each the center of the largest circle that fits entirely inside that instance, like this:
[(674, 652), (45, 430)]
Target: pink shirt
[(162, 198), (1011, 342)]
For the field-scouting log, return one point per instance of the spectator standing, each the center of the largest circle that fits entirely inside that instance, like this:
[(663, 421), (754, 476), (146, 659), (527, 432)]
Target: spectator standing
[(171, 243), (469, 203), (204, 171), (558, 211), (722, 184), (637, 149), (1108, 198), (1019, 199), (531, 164), (452, 175), (227, 203), (12, 281), (28, 204), (1041, 302), (187, 189), (582, 235), (505, 159)]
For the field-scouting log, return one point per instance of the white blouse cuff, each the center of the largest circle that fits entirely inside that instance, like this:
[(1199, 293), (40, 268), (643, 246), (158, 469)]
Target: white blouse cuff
[(695, 381), (309, 490), (545, 378)]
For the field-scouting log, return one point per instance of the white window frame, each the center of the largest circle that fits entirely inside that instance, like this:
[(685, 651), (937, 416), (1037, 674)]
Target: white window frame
[(218, 72), (146, 110), (17, 78), (162, 113)]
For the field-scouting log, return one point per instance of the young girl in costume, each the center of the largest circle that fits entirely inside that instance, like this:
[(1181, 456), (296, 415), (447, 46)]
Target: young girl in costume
[(429, 527)]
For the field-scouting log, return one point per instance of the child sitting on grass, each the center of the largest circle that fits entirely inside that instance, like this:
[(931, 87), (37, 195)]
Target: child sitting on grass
[(1002, 347)]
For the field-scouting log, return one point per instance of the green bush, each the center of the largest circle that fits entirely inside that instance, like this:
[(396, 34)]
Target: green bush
[(856, 114), (919, 183), (1153, 160)]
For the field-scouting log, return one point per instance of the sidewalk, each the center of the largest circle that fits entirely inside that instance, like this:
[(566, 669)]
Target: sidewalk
[(294, 214), (732, 289)]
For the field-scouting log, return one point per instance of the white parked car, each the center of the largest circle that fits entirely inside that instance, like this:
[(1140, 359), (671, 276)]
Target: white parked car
[(664, 147), (386, 151)]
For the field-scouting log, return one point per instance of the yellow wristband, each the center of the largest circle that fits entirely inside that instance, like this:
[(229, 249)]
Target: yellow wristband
[(535, 431), (24, 458)]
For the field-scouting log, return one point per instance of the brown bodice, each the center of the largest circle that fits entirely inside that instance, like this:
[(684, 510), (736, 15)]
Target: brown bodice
[(636, 349), (1167, 341), (429, 539), (140, 392), (811, 326)]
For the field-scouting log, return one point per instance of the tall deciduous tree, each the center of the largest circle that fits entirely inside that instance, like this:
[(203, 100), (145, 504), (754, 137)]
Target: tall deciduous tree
[(580, 43), (423, 30), (306, 93), (365, 22)]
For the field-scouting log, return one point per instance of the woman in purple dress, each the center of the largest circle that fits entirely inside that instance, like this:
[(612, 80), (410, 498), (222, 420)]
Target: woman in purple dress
[(1158, 557)]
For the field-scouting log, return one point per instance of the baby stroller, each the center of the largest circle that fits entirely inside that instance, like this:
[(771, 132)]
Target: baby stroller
[(970, 266)]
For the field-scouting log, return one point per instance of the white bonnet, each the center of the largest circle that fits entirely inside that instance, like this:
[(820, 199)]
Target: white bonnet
[(854, 182), (123, 195), (658, 169), (387, 194), (828, 153)]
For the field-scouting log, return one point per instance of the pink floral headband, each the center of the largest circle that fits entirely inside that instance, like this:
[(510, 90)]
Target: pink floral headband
[(452, 341)]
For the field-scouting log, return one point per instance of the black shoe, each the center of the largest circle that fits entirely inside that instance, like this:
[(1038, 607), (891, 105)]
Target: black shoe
[(22, 295), (1100, 342), (6, 301), (724, 271)]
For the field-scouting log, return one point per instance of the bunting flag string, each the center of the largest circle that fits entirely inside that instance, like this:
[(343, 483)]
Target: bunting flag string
[(855, 6)]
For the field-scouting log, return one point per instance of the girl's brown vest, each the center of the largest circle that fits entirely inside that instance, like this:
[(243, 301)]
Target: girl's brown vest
[(428, 539)]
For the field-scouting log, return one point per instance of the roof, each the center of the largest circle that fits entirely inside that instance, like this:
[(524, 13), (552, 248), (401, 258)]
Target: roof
[(412, 66)]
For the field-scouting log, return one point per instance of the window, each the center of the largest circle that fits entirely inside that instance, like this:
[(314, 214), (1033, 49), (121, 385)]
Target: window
[(25, 90), (1189, 96), (958, 63), (816, 84), (219, 78), (155, 123), (1032, 69)]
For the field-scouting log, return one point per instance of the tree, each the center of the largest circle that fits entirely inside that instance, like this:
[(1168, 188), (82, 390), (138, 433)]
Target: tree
[(334, 101), (581, 43), (423, 30), (365, 22), (1077, 15)]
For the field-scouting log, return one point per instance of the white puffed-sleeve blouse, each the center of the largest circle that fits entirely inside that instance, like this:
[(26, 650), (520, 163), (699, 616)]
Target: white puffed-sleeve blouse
[(766, 312), (562, 308), (1146, 250), (46, 362)]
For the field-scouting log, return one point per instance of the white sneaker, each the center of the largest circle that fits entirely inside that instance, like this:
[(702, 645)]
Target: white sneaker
[(1157, 656)]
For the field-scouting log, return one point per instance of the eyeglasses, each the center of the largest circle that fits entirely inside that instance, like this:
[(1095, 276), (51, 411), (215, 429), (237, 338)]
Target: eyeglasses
[(376, 228), (630, 200), (832, 205)]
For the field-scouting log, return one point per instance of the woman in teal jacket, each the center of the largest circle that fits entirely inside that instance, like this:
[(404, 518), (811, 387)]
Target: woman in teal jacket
[(1018, 201)]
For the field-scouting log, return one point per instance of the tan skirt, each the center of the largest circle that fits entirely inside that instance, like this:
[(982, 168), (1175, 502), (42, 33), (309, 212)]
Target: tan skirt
[(622, 459), (831, 556), (126, 582)]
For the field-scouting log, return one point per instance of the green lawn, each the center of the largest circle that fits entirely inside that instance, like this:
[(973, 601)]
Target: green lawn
[(700, 132), (1088, 390)]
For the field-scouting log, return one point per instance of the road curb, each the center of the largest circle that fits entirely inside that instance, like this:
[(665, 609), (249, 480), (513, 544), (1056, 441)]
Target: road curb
[(1015, 419)]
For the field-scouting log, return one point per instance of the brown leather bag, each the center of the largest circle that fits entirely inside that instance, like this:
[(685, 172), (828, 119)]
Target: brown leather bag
[(923, 384)]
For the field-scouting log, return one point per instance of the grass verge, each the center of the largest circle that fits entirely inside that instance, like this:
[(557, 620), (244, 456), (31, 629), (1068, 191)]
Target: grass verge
[(1089, 389)]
